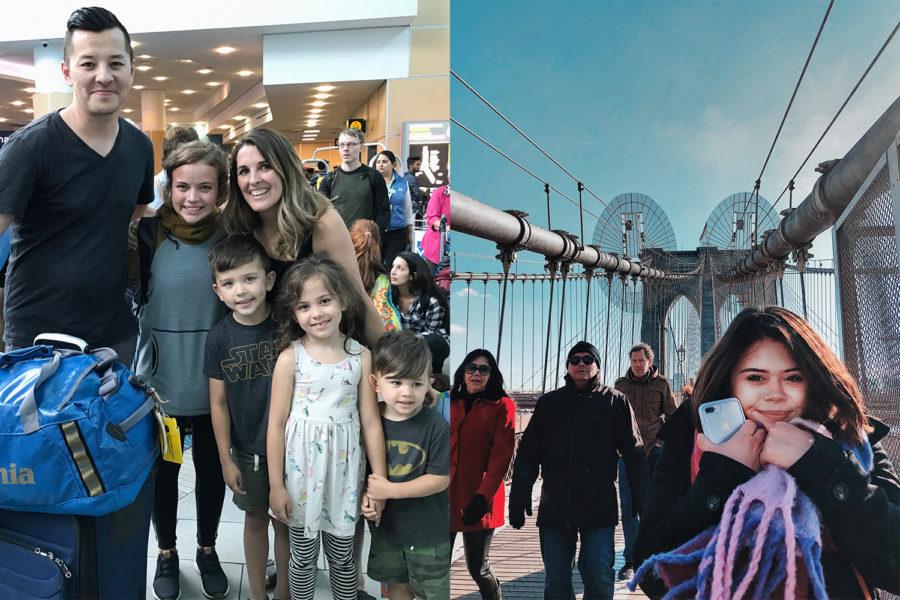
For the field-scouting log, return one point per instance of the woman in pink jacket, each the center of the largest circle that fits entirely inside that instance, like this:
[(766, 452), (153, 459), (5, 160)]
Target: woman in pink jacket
[(438, 207)]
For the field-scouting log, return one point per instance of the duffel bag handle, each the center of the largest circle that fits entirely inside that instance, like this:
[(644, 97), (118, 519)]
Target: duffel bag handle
[(61, 338), (24, 354), (28, 408)]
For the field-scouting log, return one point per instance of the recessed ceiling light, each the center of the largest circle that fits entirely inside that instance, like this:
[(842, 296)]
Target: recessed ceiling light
[(17, 103), (309, 131), (319, 103), (325, 88), (188, 92), (224, 127), (239, 118), (174, 108), (29, 90), (224, 50), (138, 87), (321, 96), (144, 56), (312, 123), (135, 44), (28, 110), (167, 101), (205, 71), (3, 119), (173, 124), (127, 110), (143, 67), (185, 60), (315, 111), (245, 73), (213, 83), (260, 105), (160, 78)]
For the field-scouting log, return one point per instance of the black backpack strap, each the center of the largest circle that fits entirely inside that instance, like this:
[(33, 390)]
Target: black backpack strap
[(147, 232)]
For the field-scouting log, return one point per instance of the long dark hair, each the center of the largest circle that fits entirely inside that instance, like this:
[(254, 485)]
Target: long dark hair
[(832, 392), (338, 283), (422, 285), (494, 388)]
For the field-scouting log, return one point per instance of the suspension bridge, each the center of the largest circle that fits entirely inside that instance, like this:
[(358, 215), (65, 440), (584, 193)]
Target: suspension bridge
[(631, 284)]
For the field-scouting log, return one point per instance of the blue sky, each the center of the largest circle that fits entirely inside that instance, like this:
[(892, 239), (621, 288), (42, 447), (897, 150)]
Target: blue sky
[(676, 100)]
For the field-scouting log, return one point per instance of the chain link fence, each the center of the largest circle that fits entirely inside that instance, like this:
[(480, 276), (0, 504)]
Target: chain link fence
[(868, 271)]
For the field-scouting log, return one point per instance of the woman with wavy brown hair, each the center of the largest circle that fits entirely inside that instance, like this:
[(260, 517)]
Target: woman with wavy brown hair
[(804, 483), (272, 200)]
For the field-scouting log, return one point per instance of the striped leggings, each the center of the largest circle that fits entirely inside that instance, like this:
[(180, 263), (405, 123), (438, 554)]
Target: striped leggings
[(303, 565)]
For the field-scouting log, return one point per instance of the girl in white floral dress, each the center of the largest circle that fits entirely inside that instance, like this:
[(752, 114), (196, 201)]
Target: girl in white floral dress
[(321, 403)]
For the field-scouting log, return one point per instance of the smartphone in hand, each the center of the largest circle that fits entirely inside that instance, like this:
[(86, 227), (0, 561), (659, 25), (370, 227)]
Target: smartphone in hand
[(720, 419)]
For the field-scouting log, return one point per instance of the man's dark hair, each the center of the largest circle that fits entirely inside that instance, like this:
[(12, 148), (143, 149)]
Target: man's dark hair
[(401, 354), (411, 160), (96, 19), (236, 251)]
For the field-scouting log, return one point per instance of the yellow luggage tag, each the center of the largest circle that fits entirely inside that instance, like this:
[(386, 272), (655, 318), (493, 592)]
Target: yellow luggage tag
[(169, 434)]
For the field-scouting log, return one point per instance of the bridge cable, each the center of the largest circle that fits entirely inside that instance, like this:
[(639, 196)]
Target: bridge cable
[(468, 295), (796, 87), (518, 164), (552, 267), (564, 269), (609, 278), (840, 110), (523, 134), (484, 313), (622, 323), (634, 282), (587, 301)]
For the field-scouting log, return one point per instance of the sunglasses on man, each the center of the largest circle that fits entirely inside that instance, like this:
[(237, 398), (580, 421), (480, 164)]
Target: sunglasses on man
[(577, 360), (472, 368)]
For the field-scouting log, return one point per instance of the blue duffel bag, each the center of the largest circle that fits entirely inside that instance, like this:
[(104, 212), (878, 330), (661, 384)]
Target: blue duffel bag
[(77, 431)]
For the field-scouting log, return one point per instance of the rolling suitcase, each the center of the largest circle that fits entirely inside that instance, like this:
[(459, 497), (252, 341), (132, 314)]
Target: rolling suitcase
[(44, 556), (78, 440)]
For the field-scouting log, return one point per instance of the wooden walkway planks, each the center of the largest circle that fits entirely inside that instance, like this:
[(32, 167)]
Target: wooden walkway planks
[(516, 561)]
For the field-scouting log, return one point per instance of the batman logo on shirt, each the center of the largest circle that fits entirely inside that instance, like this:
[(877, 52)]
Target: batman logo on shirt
[(403, 457)]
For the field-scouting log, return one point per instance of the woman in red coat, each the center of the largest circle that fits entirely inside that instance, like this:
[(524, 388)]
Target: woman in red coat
[(482, 438)]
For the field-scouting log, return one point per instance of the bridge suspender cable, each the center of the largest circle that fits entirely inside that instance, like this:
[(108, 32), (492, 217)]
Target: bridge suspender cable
[(523, 134), (837, 114)]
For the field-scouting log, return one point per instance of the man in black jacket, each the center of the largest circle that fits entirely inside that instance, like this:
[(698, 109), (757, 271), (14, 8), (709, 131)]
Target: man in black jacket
[(575, 437)]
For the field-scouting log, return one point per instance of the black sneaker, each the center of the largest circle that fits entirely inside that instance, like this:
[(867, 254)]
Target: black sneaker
[(212, 577), (165, 581), (626, 573)]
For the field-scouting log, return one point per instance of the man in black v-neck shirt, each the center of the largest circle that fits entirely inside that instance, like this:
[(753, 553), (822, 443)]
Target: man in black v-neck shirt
[(70, 182)]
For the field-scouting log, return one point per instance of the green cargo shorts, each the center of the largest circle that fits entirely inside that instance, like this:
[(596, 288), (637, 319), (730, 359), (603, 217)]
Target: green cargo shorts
[(426, 567), (255, 476)]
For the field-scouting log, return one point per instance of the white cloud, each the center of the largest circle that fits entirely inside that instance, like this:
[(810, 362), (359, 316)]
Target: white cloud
[(470, 291), (457, 329)]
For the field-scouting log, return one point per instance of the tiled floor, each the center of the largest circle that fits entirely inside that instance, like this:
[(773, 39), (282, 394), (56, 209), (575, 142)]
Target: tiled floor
[(229, 546)]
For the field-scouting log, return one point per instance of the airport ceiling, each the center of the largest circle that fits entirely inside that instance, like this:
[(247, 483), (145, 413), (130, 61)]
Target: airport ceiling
[(228, 91)]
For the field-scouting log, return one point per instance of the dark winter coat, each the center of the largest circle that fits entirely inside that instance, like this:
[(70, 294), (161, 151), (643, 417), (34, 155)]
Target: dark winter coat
[(481, 447), (861, 512), (575, 438)]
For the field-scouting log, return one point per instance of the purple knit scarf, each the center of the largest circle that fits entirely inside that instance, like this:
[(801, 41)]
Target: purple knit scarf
[(767, 544)]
